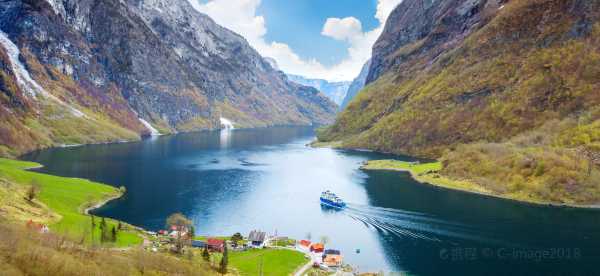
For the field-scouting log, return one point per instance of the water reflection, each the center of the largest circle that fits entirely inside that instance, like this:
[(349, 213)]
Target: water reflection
[(225, 138)]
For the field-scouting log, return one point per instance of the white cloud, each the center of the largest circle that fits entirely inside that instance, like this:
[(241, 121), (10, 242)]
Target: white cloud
[(348, 29), (240, 16), (384, 8)]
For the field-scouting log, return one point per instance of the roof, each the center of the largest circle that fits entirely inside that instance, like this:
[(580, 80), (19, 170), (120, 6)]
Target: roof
[(331, 252), (198, 243), (305, 243), (215, 242), (317, 246), (257, 236)]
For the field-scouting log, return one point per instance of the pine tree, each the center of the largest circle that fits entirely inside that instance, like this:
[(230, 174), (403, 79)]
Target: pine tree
[(113, 234), (224, 261), (205, 254), (103, 231)]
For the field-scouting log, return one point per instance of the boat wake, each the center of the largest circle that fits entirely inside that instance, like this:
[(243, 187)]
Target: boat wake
[(414, 225)]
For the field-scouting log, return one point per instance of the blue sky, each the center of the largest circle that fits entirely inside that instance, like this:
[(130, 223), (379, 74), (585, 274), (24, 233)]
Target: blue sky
[(307, 17), (327, 39)]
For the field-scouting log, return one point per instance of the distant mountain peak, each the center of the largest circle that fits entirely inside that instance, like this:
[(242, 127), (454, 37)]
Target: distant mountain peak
[(336, 91)]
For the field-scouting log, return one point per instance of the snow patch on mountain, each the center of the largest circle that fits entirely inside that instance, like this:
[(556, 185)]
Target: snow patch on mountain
[(24, 79)]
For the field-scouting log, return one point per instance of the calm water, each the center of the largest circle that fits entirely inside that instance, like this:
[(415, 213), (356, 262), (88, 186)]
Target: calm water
[(268, 179)]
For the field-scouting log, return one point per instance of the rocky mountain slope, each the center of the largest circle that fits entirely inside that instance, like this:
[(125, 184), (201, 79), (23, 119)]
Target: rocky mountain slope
[(357, 84), (83, 71), (336, 91), (505, 92)]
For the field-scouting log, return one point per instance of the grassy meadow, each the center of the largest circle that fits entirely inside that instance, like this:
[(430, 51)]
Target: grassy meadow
[(273, 261), (66, 199)]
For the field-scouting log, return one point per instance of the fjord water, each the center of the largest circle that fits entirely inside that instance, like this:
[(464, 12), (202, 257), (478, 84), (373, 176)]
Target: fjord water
[(240, 180)]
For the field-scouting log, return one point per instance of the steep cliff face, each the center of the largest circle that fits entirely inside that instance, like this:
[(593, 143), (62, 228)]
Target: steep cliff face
[(506, 93), (357, 84), (129, 67), (431, 27), (458, 71)]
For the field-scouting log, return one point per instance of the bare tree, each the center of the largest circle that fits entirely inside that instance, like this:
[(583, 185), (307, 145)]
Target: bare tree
[(180, 223), (33, 190)]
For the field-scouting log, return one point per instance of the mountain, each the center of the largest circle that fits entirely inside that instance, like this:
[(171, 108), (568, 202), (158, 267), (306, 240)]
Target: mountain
[(336, 91), (505, 93), (105, 70), (357, 84)]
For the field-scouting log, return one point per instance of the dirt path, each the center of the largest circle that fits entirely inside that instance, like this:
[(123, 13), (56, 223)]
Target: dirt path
[(304, 268)]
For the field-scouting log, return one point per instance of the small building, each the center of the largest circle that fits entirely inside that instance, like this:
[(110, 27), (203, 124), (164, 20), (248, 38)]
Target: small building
[(198, 244), (317, 247), (332, 260), (304, 244), (38, 227), (215, 244), (257, 238)]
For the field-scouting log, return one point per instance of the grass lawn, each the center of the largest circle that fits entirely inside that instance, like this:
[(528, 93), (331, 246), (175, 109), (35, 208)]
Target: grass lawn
[(402, 166), (204, 238), (68, 197), (274, 261), (425, 173)]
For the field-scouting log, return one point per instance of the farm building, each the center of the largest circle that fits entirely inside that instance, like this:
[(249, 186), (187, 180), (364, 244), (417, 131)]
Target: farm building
[(317, 247), (215, 244), (257, 238)]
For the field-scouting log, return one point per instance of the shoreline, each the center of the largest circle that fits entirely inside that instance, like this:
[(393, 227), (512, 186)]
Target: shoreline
[(101, 203), (482, 192), (19, 156), (94, 206)]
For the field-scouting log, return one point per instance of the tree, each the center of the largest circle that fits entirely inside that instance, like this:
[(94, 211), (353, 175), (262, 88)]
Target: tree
[(192, 232), (237, 237), (33, 190), (113, 234), (224, 261), (206, 254), (104, 236), (180, 223)]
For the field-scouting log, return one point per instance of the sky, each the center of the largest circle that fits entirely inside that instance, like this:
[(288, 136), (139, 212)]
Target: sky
[(325, 39)]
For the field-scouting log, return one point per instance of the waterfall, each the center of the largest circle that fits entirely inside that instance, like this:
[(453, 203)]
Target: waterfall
[(24, 80), (153, 131), (226, 124)]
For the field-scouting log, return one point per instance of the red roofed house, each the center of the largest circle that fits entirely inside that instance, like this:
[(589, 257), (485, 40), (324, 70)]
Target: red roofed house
[(305, 244), (40, 228), (317, 247), (215, 244)]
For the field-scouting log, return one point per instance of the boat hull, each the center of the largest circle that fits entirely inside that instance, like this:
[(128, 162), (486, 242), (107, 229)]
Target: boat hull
[(330, 203)]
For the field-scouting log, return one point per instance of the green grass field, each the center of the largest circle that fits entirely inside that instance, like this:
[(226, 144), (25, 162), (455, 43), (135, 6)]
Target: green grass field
[(274, 261), (419, 168), (425, 173), (68, 197)]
